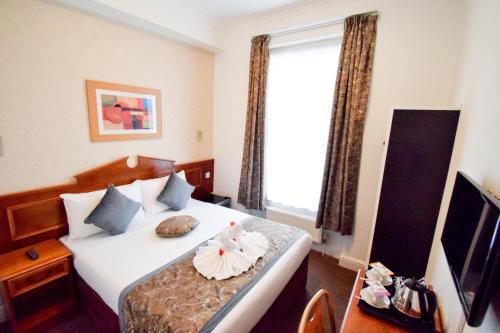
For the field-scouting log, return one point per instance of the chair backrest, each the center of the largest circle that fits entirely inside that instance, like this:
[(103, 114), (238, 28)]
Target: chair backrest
[(313, 318)]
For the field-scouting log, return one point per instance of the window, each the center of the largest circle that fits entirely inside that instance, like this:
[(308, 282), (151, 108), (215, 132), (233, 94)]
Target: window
[(299, 97)]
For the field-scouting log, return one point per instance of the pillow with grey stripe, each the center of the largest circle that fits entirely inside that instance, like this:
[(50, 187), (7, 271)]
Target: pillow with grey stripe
[(176, 192), (114, 212)]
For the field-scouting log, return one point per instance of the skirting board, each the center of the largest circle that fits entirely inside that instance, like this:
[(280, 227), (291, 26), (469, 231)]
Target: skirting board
[(351, 263)]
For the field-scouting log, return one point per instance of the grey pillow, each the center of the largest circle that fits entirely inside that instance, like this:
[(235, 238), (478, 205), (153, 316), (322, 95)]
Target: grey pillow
[(176, 192), (176, 226), (114, 212)]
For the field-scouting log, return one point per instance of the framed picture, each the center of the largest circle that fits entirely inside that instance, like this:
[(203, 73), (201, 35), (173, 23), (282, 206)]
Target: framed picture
[(120, 112)]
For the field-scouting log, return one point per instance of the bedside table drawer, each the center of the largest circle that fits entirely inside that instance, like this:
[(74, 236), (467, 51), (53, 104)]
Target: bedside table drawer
[(38, 277)]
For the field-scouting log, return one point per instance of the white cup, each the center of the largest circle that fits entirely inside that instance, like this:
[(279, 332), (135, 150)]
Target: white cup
[(377, 299), (377, 276)]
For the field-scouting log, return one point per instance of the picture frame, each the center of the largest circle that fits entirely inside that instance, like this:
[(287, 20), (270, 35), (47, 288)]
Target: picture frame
[(122, 112)]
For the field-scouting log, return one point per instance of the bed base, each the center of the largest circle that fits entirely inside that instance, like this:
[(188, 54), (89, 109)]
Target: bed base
[(103, 319)]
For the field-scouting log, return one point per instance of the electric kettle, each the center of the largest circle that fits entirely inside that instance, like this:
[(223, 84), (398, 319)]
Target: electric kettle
[(413, 300)]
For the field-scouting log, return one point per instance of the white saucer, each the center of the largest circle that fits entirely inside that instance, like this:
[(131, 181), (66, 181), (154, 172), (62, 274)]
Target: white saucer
[(366, 295), (373, 276)]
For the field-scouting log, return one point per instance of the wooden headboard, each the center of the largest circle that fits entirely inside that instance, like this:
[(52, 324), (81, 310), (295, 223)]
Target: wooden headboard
[(34, 216)]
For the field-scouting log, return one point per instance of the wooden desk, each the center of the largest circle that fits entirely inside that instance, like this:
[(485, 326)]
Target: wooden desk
[(356, 320)]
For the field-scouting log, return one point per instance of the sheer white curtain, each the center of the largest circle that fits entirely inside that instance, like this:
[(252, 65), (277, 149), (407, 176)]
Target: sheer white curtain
[(299, 96)]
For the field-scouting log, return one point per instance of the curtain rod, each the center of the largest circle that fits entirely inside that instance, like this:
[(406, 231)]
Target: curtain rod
[(315, 25)]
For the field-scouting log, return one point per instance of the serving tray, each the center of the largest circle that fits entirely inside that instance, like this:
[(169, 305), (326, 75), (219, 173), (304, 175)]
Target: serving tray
[(393, 316)]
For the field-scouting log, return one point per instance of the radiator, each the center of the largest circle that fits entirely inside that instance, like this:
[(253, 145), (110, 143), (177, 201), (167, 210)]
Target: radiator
[(316, 233), (304, 222)]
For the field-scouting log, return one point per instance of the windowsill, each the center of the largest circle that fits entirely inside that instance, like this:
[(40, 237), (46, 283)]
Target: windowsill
[(301, 213)]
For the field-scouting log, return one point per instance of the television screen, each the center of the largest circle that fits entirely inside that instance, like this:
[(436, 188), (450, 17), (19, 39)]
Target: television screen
[(471, 244)]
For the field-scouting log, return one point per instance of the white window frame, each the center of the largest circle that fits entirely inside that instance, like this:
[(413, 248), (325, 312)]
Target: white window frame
[(272, 204)]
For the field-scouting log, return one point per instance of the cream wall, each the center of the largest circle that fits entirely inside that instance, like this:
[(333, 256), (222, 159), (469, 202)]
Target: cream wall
[(477, 145), (46, 54), (425, 57), (415, 64)]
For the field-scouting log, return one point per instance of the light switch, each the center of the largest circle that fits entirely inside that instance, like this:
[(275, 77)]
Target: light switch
[(1, 147), (207, 175), (199, 135)]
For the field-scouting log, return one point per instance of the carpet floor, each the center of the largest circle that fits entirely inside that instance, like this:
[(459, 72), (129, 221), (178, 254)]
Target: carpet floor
[(324, 273)]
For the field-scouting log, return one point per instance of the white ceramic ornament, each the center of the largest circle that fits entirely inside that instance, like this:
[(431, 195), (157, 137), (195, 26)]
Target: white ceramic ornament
[(221, 258)]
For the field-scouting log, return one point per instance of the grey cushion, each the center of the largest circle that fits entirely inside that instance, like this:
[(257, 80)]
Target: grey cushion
[(176, 226), (114, 212), (176, 192)]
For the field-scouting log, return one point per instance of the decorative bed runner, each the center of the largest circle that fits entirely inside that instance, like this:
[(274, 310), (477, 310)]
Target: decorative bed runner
[(176, 298)]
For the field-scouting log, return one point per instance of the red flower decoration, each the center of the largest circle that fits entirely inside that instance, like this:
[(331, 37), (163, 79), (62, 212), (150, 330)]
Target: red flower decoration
[(221, 252)]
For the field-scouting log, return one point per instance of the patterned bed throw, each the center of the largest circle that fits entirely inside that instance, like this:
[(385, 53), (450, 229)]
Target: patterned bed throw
[(176, 298)]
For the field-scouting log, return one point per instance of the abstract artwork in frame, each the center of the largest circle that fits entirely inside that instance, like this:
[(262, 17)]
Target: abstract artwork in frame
[(120, 112)]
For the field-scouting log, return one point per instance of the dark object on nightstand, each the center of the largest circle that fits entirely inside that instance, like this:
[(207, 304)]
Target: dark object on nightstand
[(217, 200), (37, 293), (32, 254)]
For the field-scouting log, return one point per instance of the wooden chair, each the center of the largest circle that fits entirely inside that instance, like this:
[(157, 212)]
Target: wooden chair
[(313, 318)]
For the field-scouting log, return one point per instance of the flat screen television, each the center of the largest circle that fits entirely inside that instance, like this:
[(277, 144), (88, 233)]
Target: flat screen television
[(471, 244)]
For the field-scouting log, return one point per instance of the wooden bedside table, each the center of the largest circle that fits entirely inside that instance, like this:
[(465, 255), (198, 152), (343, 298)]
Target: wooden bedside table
[(37, 293), (217, 200)]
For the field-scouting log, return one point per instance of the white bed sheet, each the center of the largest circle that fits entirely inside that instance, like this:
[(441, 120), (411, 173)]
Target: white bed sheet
[(109, 264)]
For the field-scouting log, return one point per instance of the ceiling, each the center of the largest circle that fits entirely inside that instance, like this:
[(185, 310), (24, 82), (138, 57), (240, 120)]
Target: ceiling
[(194, 22), (228, 9)]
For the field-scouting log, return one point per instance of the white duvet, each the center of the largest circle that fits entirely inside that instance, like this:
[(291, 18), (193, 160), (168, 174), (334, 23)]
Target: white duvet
[(108, 264)]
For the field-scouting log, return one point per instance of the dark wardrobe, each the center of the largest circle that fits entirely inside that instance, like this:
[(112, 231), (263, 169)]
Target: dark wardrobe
[(418, 156)]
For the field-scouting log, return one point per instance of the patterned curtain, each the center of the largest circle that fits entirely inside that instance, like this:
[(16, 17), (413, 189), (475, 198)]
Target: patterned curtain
[(251, 193), (340, 178)]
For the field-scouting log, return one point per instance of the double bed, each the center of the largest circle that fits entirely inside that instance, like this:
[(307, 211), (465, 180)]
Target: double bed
[(106, 265)]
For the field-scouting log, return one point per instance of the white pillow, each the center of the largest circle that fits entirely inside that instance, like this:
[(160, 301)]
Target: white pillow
[(151, 188), (79, 205)]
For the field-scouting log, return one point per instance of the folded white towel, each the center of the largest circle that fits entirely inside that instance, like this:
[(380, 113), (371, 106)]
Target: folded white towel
[(254, 244), (231, 253), (221, 258)]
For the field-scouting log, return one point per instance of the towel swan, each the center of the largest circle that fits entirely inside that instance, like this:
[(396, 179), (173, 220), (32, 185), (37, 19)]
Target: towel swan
[(252, 243), (221, 258)]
